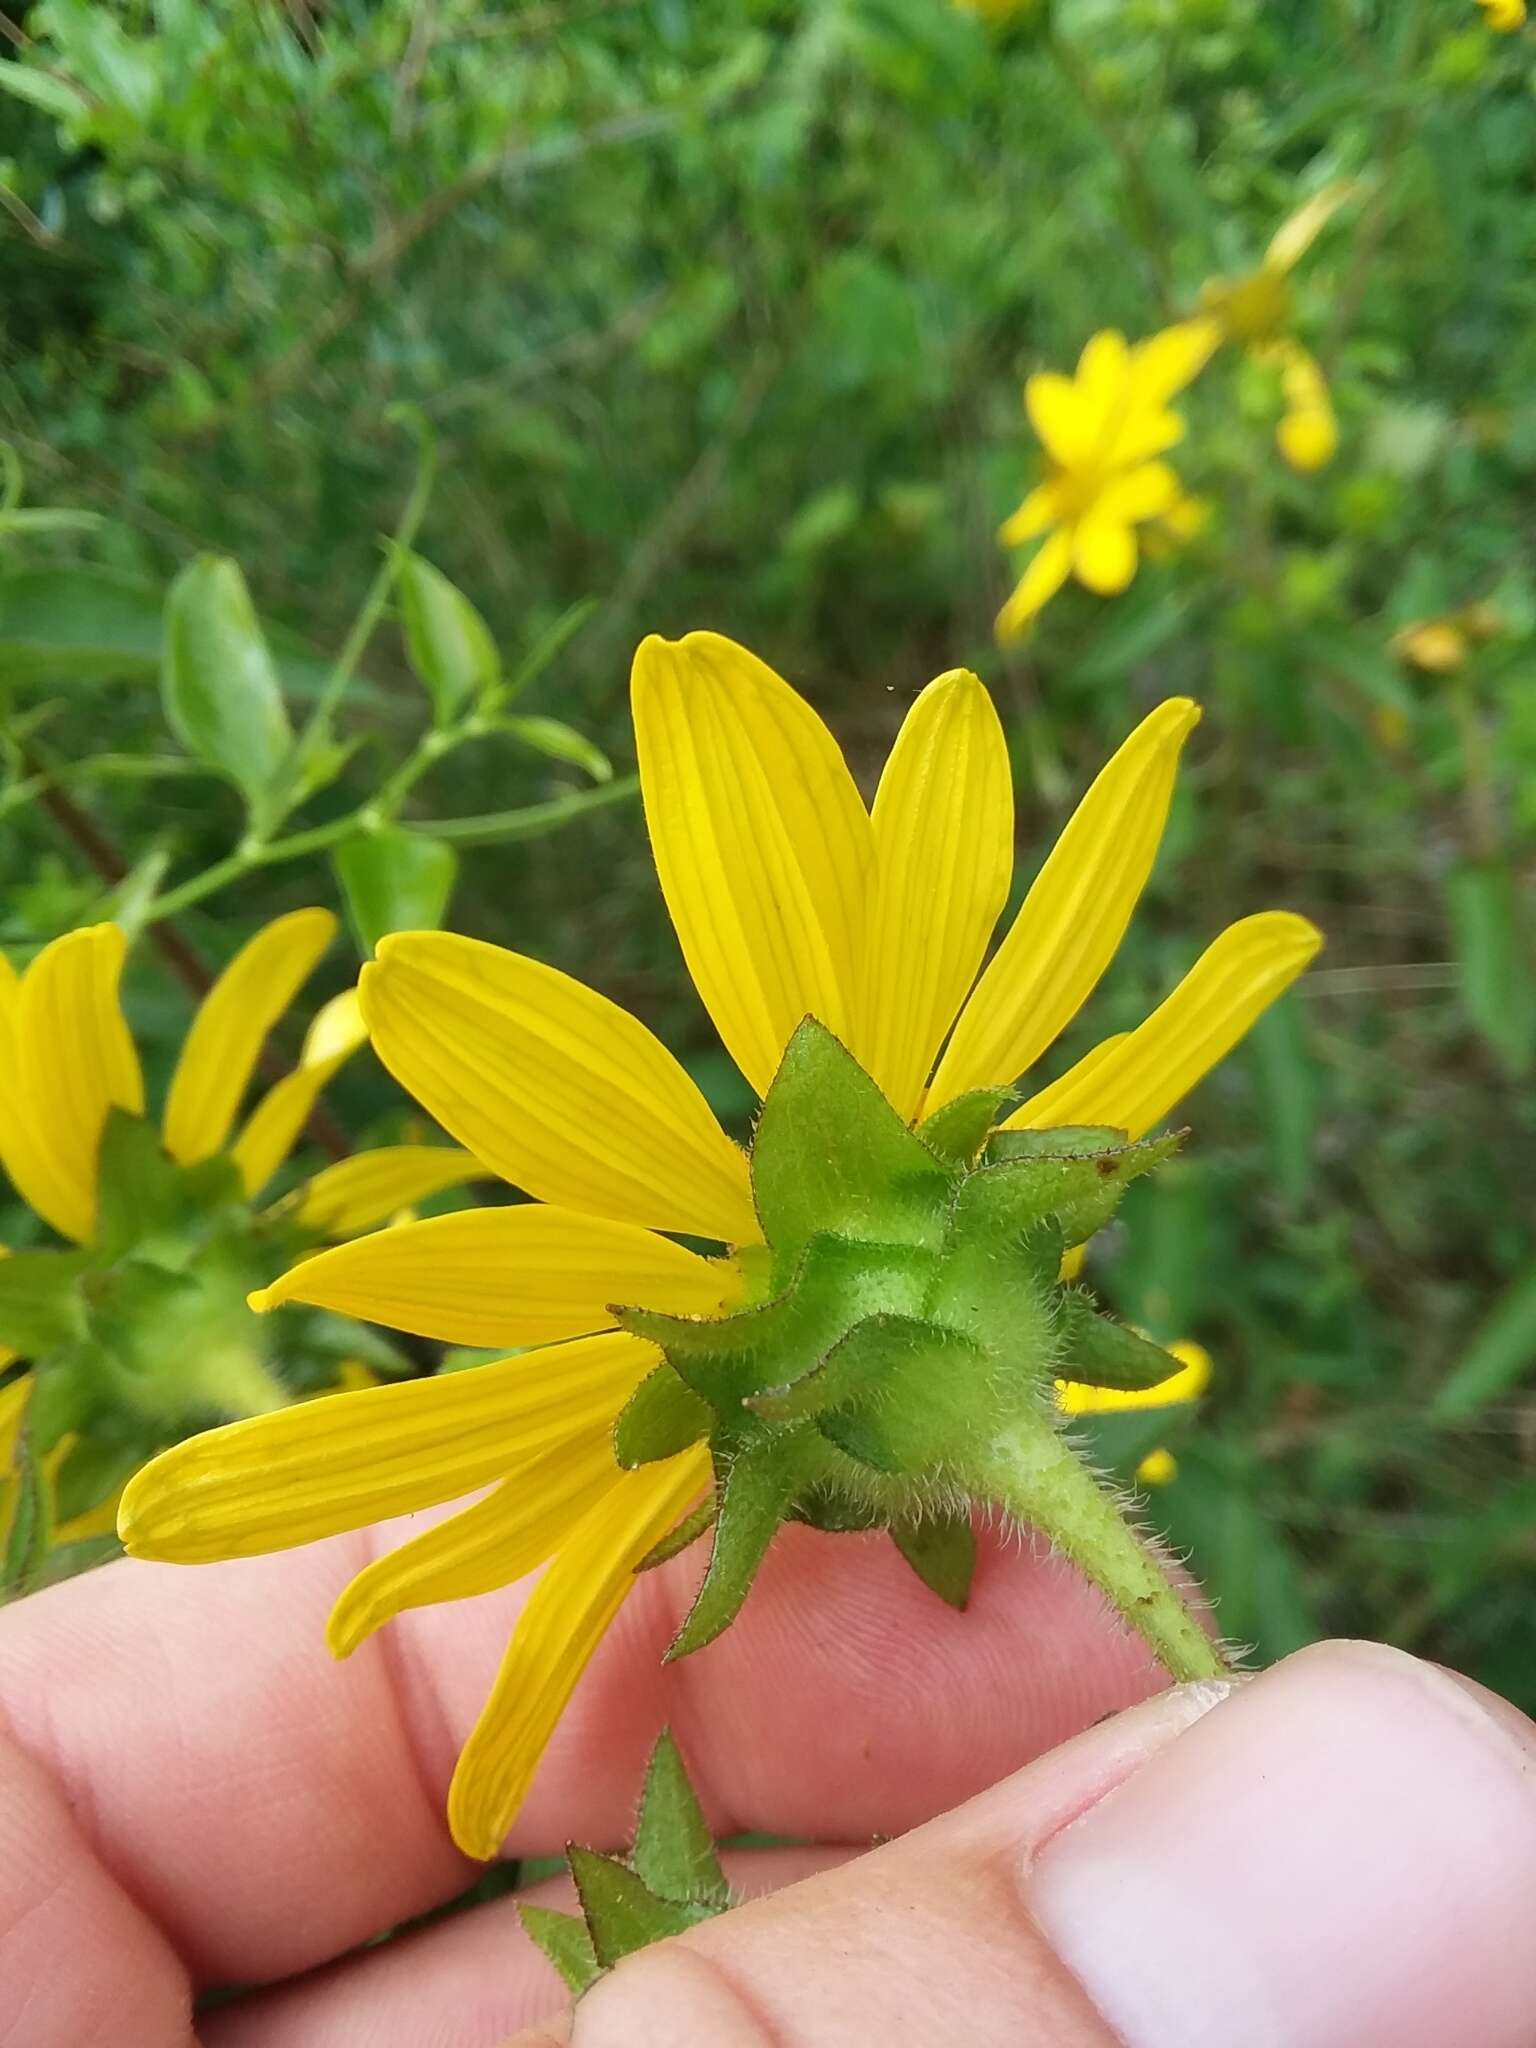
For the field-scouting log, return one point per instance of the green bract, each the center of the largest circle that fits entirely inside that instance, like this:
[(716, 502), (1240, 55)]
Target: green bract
[(896, 1359)]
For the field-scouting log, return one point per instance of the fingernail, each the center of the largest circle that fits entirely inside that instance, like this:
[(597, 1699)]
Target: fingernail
[(1343, 1853)]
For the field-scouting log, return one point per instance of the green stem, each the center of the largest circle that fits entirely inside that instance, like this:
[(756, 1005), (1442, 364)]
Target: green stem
[(1036, 1475)]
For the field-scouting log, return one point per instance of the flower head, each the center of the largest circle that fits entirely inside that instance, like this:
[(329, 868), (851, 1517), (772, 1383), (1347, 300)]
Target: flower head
[(1257, 312), (1103, 430), (140, 1329), (1504, 17), (839, 951)]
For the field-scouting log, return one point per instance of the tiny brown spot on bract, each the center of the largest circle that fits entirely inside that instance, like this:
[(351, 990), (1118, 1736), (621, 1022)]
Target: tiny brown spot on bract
[(1106, 1165)]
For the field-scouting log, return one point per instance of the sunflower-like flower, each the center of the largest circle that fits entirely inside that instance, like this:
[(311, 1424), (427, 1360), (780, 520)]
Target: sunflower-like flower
[(1257, 312), (1103, 430), (839, 951), (141, 1331)]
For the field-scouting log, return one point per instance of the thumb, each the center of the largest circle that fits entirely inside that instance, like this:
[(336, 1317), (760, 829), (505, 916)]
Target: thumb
[(1342, 1850)]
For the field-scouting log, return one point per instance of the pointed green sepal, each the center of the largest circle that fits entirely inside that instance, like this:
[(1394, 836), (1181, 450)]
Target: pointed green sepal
[(622, 1912), (957, 1132), (41, 1307), (674, 1851), (676, 1541), (941, 1549), (146, 1201), (927, 1386), (564, 1940), (31, 1525), (831, 1154), (660, 1418), (754, 1499), (1102, 1353), (1059, 1141), (1075, 1188)]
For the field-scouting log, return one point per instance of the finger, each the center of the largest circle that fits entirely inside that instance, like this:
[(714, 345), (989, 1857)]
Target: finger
[(472, 1979), (1339, 1852), (272, 1809)]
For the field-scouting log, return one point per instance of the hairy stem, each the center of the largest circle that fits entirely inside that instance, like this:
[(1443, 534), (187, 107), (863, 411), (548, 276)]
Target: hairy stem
[(1036, 1475)]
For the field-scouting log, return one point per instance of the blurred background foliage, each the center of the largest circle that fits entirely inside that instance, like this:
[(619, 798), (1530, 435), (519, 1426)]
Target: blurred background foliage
[(718, 314)]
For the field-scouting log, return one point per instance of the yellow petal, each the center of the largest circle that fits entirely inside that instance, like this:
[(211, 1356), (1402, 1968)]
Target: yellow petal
[(1061, 417), (1103, 371), (1104, 554), (1231, 985), (272, 1129), (231, 1026), (1295, 236), (1149, 492), (556, 1088), (1438, 646), (561, 1627), (1145, 432), (943, 823), (761, 842), (1167, 362), (1187, 1384), (1047, 572), (74, 1062), (338, 1027), (1074, 917), (348, 1459), (370, 1187), (1040, 510), (526, 1275), (1157, 1468), (498, 1540), (1308, 440)]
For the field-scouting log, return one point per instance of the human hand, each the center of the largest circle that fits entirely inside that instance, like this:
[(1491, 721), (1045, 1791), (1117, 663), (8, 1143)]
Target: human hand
[(1340, 1852)]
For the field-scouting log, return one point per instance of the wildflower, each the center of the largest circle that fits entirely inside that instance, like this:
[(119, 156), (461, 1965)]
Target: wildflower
[(140, 1329), (1159, 1467), (1102, 430), (1441, 645), (1503, 17), (1257, 312), (792, 903)]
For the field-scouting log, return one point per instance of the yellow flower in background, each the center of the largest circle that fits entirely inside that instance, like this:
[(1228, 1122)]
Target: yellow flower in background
[(1256, 312), (1159, 1467), (1503, 16), (1439, 646), (790, 898), (1102, 430), (67, 1060)]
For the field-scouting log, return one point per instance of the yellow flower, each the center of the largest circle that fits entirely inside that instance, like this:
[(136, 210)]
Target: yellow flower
[(790, 899), (67, 1060), (1102, 430), (1504, 17), (1257, 312), (1441, 645), (1159, 1467)]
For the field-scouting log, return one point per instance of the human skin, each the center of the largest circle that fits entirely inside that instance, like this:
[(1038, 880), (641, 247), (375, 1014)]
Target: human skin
[(192, 1794)]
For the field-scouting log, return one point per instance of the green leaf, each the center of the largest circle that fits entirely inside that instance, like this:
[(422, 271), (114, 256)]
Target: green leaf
[(831, 1154), (42, 90), (31, 1531), (394, 881), (1497, 1359), (941, 1549), (622, 1912), (78, 625), (1494, 948), (564, 1939), (674, 1852), (750, 1505), (660, 1418), (40, 1303), (957, 1132), (560, 742), (1102, 1353), (695, 1524), (448, 643), (218, 681)]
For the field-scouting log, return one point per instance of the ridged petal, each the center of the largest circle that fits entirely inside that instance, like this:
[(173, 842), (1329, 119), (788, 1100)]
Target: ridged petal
[(1134, 1085), (761, 842), (231, 1026), (1074, 917), (562, 1625), (348, 1459), (1187, 1384), (272, 1129), (526, 1275), (501, 1538), (370, 1187), (943, 822), (559, 1090), (74, 1060)]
